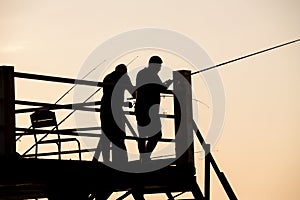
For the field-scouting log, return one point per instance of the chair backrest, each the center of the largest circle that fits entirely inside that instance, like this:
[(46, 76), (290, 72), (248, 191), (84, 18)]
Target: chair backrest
[(43, 118)]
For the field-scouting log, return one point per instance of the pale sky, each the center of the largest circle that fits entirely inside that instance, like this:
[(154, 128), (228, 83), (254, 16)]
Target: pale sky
[(259, 146)]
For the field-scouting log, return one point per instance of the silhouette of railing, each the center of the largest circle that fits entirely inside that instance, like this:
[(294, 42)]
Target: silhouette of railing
[(208, 160), (79, 106)]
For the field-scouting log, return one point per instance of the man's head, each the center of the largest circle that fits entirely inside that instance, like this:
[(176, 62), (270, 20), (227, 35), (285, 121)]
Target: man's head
[(155, 63), (121, 68)]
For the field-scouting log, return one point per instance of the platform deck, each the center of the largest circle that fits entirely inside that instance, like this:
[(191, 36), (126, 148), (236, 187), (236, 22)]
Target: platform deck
[(37, 178)]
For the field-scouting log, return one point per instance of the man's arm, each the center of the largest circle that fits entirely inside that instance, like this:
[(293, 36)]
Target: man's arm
[(129, 86), (167, 83)]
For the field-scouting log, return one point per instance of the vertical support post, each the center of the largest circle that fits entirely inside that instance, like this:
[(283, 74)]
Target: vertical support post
[(7, 111), (207, 171), (183, 112)]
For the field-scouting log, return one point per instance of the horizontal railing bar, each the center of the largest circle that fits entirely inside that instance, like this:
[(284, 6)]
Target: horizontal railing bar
[(73, 132), (27, 110), (69, 129), (32, 103), (26, 131), (161, 140), (71, 106), (96, 136), (76, 106), (86, 135), (58, 79), (62, 152), (65, 133), (161, 115), (51, 105), (85, 128), (83, 108), (67, 80)]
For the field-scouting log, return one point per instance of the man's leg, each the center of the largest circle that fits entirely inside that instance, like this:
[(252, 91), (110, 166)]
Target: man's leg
[(152, 142), (103, 148), (155, 135), (141, 141), (119, 151), (104, 143)]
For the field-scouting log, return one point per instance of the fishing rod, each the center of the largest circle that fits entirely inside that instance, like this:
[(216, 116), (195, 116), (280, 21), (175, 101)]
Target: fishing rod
[(246, 56), (74, 109), (201, 102), (132, 60), (100, 87), (237, 59), (68, 91), (240, 58)]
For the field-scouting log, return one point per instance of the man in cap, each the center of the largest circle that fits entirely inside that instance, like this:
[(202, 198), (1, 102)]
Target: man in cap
[(149, 86), (112, 115)]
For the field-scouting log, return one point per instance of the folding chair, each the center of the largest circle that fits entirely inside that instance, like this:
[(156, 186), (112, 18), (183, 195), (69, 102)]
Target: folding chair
[(46, 118)]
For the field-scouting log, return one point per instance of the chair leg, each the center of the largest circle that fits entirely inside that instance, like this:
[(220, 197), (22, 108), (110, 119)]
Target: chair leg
[(36, 150), (79, 149), (59, 150), (59, 145), (36, 146)]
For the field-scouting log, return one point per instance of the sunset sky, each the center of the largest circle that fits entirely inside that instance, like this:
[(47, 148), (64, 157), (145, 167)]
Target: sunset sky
[(259, 146)]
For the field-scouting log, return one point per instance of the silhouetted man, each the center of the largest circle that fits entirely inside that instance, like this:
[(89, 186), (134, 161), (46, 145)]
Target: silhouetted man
[(149, 87), (112, 123)]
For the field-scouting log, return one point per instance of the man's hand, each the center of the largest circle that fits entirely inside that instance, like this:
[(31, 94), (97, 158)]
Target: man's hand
[(167, 83)]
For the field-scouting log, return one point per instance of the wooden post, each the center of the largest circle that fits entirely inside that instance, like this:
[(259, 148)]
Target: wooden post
[(207, 171), (7, 111), (183, 112)]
